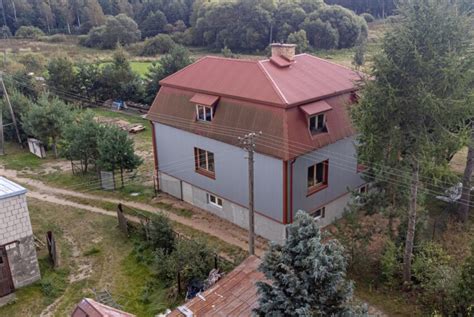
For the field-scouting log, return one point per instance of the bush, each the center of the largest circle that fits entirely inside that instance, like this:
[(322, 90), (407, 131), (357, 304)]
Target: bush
[(160, 44), (192, 259), (56, 38), (334, 27), (33, 63), (160, 234), (368, 17), (299, 38), (28, 32), (117, 30), (390, 264)]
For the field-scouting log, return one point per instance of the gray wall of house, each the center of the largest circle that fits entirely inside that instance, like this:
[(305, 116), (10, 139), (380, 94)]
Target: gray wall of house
[(176, 158), (342, 175)]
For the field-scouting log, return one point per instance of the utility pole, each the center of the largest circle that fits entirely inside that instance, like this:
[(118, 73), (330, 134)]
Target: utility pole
[(7, 98), (248, 143), (2, 140)]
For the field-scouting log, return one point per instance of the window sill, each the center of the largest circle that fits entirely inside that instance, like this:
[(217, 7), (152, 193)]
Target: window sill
[(314, 190), (206, 173)]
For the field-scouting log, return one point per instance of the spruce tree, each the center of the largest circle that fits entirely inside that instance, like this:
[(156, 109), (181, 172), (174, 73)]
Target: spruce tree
[(307, 276)]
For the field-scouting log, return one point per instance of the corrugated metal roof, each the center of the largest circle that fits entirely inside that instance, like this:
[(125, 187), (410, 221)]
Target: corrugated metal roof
[(316, 107), (9, 188), (203, 99), (95, 309), (234, 295), (307, 79), (287, 128)]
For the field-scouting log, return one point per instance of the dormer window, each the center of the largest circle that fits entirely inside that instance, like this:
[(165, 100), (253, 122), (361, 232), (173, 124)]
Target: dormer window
[(317, 123), (316, 114), (204, 113)]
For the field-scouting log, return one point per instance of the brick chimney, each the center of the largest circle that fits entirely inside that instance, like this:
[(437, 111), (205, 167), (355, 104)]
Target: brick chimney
[(287, 51)]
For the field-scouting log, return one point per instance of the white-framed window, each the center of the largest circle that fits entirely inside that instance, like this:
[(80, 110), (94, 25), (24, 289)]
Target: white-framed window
[(317, 123), (319, 213), (363, 189), (214, 200), (204, 113)]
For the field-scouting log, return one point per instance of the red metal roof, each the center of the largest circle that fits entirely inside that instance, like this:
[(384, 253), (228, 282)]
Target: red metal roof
[(308, 78), (316, 107), (260, 96), (90, 308), (203, 99), (234, 295)]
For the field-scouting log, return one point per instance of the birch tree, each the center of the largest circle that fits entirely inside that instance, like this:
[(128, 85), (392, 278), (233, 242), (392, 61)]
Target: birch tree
[(412, 108)]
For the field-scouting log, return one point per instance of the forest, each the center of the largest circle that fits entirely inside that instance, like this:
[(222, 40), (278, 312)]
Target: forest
[(240, 25)]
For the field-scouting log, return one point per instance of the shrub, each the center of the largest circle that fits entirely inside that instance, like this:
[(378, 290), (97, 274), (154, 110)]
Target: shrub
[(299, 38), (160, 44), (192, 259), (56, 38), (390, 264), (160, 234), (427, 260), (28, 32), (368, 17), (334, 26), (117, 30), (33, 62)]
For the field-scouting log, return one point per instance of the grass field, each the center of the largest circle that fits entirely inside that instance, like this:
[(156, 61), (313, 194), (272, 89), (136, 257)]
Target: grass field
[(94, 255)]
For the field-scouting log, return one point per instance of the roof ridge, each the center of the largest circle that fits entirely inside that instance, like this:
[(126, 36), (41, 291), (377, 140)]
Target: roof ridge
[(230, 59), (184, 68), (273, 84), (328, 61)]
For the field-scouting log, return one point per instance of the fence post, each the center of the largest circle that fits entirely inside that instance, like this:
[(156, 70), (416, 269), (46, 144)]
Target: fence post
[(51, 243), (122, 221), (179, 282)]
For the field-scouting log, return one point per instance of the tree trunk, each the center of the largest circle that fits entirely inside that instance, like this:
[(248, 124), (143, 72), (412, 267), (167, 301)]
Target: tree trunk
[(121, 176), (408, 253), (465, 201), (55, 148)]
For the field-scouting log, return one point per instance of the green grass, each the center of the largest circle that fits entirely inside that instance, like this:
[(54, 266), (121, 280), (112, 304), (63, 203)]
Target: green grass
[(139, 67), (98, 243), (19, 159)]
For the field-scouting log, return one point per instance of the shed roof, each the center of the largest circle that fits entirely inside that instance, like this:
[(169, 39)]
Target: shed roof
[(10, 189), (89, 307), (234, 295)]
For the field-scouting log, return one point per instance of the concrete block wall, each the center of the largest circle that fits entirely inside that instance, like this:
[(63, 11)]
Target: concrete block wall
[(264, 226), (15, 226), (14, 219)]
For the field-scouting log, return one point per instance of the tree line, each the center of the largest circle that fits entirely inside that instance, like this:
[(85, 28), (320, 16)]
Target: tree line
[(243, 25)]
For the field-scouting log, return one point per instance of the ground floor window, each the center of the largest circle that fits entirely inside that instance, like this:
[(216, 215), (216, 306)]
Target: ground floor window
[(214, 200), (319, 213)]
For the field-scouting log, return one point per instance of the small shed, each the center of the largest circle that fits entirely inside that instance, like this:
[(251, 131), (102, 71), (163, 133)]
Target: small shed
[(18, 261), (90, 308), (234, 295)]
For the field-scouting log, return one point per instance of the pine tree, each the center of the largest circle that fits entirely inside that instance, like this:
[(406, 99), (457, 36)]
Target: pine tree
[(307, 275), (410, 112)]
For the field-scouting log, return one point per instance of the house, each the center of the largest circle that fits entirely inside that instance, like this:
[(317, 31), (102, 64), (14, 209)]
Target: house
[(18, 261), (305, 157), (90, 308), (234, 295)]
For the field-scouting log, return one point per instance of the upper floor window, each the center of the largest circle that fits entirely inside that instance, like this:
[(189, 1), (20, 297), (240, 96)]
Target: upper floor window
[(317, 123), (204, 161), (204, 113), (318, 176)]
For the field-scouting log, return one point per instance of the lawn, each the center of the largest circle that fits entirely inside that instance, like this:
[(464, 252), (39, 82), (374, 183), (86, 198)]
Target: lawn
[(94, 255), (139, 67)]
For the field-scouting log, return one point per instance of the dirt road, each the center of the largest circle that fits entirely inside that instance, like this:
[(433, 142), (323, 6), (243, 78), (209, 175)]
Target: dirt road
[(200, 220)]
